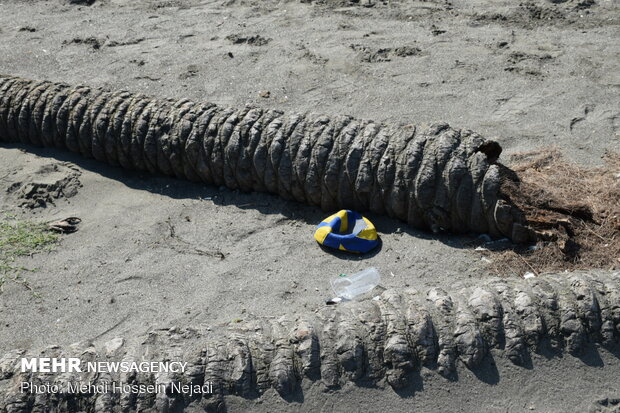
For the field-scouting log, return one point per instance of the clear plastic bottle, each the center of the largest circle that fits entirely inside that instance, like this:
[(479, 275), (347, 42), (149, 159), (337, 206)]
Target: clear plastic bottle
[(359, 283)]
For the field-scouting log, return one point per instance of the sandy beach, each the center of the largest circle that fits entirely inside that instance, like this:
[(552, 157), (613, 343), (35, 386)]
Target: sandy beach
[(154, 253)]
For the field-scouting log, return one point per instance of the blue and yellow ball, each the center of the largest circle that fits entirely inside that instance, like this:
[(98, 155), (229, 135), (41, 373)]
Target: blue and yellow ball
[(347, 231)]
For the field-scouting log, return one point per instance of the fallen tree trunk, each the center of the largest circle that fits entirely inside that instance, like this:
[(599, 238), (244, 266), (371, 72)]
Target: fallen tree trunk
[(435, 177), (364, 342)]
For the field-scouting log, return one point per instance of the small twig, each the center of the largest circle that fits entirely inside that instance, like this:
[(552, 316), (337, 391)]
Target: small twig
[(171, 228), (23, 282), (112, 328), (252, 204), (216, 253), (592, 231), (528, 264)]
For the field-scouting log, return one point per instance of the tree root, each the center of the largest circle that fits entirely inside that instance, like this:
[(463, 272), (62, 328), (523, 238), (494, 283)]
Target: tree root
[(573, 211)]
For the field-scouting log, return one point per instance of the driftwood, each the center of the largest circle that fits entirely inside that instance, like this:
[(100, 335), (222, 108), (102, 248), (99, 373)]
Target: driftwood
[(365, 342), (434, 177)]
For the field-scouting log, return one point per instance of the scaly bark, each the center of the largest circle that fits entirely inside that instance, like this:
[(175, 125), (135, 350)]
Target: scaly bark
[(434, 177), (360, 341)]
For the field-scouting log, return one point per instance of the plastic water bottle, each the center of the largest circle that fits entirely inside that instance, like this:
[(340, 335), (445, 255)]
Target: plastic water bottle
[(359, 283)]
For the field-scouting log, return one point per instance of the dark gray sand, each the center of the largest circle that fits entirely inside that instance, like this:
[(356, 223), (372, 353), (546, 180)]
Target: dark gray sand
[(530, 74)]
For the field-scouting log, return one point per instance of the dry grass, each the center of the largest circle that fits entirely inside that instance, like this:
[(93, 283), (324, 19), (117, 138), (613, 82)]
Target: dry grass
[(584, 205)]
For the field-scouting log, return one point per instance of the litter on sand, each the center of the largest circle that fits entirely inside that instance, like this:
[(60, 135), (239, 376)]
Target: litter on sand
[(356, 284), (347, 231), (65, 226)]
